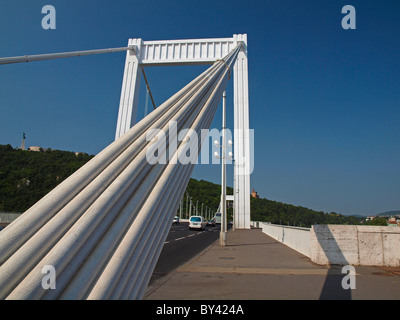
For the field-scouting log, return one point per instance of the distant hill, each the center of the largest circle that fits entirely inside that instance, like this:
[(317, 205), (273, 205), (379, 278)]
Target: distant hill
[(356, 215), (389, 213), (267, 210), (286, 214)]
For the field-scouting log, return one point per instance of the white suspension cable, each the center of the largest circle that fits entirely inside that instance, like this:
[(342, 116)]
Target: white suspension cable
[(49, 56)]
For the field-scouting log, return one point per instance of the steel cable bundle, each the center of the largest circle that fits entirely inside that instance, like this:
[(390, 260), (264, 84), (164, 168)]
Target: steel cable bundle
[(103, 228)]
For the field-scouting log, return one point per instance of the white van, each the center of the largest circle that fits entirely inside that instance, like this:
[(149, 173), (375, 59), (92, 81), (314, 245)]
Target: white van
[(197, 222)]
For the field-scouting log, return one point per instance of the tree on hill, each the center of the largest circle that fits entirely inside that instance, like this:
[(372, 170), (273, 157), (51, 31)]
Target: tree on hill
[(27, 176), (378, 221)]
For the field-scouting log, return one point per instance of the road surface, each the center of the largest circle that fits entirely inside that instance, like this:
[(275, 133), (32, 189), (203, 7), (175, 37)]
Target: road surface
[(182, 245)]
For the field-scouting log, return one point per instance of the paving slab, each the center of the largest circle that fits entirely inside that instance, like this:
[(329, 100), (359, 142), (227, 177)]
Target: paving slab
[(254, 266)]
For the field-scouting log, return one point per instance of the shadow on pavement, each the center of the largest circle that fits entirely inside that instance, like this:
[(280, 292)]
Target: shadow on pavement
[(332, 288)]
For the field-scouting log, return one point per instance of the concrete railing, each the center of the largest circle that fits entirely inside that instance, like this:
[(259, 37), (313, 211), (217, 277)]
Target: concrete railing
[(341, 244), (355, 245), (6, 217), (294, 237)]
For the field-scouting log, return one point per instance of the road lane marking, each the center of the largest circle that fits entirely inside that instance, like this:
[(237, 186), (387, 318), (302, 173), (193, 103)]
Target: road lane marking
[(180, 238)]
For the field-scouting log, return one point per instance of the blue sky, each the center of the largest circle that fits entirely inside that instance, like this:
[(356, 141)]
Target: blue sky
[(324, 101)]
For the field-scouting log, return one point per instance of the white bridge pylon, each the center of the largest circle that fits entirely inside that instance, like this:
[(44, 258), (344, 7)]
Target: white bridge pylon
[(194, 52)]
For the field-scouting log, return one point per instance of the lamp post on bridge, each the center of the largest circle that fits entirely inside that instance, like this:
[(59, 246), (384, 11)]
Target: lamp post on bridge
[(190, 207), (187, 204), (223, 232)]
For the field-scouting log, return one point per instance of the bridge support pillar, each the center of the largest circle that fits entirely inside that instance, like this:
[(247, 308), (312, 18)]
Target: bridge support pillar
[(241, 138), (130, 89)]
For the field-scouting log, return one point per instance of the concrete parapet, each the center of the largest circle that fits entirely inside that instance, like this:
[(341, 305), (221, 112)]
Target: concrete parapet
[(296, 238), (6, 218), (341, 244), (355, 245)]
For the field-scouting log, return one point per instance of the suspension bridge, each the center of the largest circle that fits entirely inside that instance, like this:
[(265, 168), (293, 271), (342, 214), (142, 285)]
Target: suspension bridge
[(103, 228)]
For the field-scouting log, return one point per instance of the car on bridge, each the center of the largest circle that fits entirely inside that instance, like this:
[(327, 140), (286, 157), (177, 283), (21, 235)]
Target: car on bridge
[(197, 222), (176, 220), (210, 223)]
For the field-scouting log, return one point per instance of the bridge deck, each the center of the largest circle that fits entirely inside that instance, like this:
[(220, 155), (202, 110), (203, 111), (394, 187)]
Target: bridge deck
[(254, 266)]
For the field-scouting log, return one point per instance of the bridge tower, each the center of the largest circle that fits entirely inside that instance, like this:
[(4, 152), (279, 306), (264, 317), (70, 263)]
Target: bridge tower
[(194, 52)]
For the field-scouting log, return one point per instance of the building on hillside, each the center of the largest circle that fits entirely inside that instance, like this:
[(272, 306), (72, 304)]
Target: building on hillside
[(392, 222), (254, 194), (35, 148)]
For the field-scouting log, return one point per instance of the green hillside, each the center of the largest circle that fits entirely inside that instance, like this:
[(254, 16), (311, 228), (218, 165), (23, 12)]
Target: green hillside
[(287, 214), (26, 176), (267, 210), (207, 193)]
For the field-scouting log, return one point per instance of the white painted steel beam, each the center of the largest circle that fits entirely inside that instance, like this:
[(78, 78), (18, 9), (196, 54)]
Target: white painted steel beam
[(103, 228), (185, 52)]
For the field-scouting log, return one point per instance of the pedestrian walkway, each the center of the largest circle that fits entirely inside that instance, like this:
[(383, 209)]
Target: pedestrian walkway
[(253, 266)]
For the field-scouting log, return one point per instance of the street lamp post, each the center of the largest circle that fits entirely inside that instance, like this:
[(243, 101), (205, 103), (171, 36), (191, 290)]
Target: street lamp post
[(223, 206), (223, 232), (180, 209), (187, 204)]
